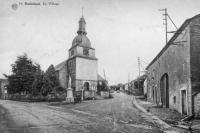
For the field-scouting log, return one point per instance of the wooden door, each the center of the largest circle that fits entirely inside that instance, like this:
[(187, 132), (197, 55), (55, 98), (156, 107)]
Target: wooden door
[(184, 106)]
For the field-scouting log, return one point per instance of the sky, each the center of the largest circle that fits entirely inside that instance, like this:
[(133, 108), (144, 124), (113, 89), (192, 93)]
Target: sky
[(119, 30)]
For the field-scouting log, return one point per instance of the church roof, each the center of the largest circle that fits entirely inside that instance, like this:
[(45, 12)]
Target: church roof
[(82, 40), (60, 66), (100, 78)]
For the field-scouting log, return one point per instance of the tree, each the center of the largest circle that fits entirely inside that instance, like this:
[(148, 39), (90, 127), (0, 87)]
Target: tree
[(50, 81), (46, 87), (51, 73), (22, 77), (38, 81)]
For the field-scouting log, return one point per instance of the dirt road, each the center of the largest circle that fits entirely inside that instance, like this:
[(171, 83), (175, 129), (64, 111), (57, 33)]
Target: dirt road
[(117, 115)]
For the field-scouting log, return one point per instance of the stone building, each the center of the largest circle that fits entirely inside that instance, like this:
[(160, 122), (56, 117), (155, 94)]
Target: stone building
[(136, 86), (3, 91), (81, 64), (174, 74)]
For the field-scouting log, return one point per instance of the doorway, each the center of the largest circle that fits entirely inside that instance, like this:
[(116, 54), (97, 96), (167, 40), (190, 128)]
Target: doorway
[(183, 101), (164, 89), (86, 86)]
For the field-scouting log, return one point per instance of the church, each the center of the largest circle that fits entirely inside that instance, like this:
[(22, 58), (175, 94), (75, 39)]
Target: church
[(81, 65)]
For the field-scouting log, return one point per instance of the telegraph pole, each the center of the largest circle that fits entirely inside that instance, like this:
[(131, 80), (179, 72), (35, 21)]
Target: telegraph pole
[(139, 65), (165, 22), (128, 77), (104, 73), (166, 16), (128, 80), (139, 72)]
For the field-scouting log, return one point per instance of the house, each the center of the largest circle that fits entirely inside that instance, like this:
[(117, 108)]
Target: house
[(102, 84), (173, 76), (102, 87), (126, 87), (3, 91), (137, 87)]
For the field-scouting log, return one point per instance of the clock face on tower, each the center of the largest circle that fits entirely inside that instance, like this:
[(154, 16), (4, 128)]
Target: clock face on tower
[(85, 51)]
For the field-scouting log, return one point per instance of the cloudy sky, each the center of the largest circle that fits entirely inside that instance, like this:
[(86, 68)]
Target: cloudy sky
[(119, 30)]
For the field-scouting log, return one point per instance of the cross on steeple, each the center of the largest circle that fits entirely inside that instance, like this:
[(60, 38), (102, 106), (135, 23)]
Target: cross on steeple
[(82, 11), (81, 29)]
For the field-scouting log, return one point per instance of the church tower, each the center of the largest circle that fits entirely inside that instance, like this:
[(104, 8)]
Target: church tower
[(82, 63)]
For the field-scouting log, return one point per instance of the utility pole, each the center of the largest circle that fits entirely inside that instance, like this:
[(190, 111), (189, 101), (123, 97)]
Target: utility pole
[(166, 16), (128, 77), (165, 22), (139, 65), (104, 73), (128, 80), (139, 72)]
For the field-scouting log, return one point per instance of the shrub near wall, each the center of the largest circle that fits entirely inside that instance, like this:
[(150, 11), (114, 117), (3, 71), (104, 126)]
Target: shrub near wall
[(104, 94), (197, 105), (39, 98)]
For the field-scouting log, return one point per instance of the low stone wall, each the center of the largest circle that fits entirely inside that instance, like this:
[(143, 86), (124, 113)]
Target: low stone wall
[(197, 105), (89, 94), (104, 94), (40, 98)]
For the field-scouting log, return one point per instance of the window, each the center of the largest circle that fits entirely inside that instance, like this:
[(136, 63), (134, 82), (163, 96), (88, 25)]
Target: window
[(85, 51), (86, 86), (174, 99), (72, 52)]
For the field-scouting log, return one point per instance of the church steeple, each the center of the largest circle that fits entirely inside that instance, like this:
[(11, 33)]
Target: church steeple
[(82, 23)]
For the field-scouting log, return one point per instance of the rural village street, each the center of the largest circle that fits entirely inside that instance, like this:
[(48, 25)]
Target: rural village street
[(98, 116)]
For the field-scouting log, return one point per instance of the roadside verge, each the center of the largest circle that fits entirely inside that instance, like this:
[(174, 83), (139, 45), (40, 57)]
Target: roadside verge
[(163, 125)]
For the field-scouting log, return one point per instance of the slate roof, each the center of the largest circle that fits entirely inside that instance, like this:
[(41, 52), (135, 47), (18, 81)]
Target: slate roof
[(141, 78), (100, 78), (61, 65)]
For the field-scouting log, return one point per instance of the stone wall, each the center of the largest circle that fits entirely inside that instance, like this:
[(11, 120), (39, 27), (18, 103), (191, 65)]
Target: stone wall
[(197, 105), (174, 61), (62, 75), (195, 59), (86, 69), (80, 85), (3, 83)]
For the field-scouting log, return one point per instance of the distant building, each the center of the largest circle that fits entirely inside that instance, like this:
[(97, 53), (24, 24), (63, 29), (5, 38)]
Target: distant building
[(174, 74), (102, 84), (126, 86), (101, 80), (81, 64), (145, 87), (3, 90), (137, 86)]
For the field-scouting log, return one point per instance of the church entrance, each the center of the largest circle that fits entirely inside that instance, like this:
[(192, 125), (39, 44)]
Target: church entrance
[(87, 92), (86, 86)]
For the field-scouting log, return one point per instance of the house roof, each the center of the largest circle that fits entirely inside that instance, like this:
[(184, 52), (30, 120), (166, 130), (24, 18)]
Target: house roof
[(60, 66), (178, 32), (100, 78), (141, 78)]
